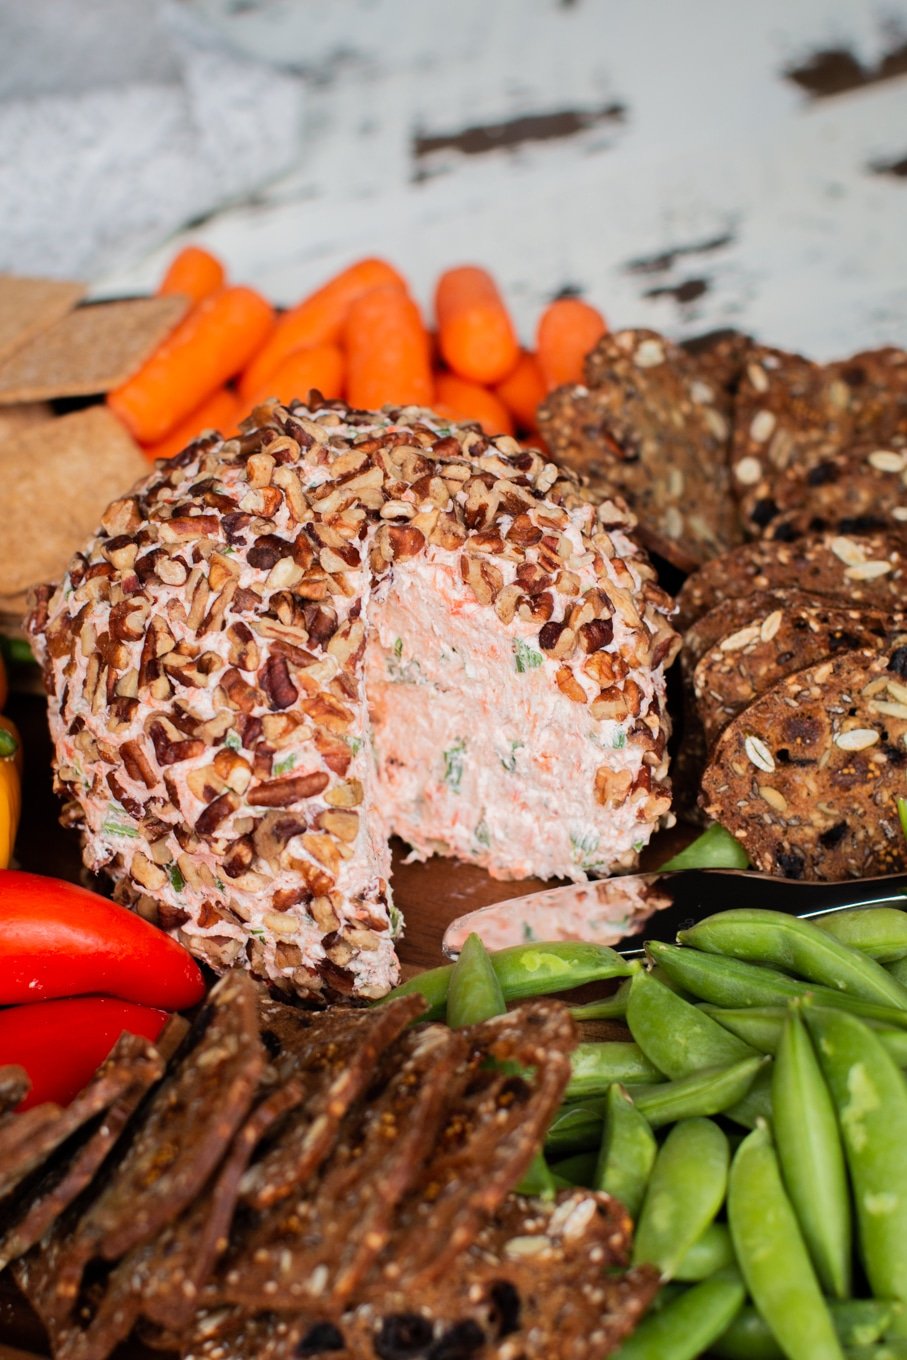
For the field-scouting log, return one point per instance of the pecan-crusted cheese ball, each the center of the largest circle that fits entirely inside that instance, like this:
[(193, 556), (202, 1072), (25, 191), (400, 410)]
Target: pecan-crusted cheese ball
[(281, 648)]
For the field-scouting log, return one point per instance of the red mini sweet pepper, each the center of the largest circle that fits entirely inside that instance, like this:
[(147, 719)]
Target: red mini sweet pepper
[(57, 939), (61, 1044)]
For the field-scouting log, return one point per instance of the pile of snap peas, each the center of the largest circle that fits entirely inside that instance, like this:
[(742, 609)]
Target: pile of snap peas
[(754, 1123)]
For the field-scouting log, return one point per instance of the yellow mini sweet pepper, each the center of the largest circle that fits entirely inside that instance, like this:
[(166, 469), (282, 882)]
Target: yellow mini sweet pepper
[(10, 788)]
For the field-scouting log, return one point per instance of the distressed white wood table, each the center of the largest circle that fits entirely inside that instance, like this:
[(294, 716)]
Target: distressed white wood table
[(684, 165)]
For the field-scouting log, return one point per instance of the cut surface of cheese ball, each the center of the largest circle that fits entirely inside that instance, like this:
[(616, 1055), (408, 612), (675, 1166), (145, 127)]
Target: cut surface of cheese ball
[(282, 648)]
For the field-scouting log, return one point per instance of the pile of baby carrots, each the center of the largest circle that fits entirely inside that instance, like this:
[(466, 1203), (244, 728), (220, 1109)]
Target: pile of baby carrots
[(360, 337)]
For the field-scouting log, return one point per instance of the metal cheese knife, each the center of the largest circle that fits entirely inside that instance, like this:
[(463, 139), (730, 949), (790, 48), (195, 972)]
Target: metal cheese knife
[(624, 912)]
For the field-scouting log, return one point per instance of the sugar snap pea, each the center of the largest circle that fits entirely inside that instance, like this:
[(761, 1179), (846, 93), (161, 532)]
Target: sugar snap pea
[(685, 1191), (627, 1152), (811, 1156), (527, 970), (474, 993), (870, 1096), (715, 848), (689, 1323), (898, 971), (575, 1128), (713, 1250), (795, 946), (613, 1007), (706, 1092), (772, 1255), (676, 1036), (576, 1170), (880, 932), (858, 1322), (761, 1027), (594, 1067), (725, 981), (757, 1103)]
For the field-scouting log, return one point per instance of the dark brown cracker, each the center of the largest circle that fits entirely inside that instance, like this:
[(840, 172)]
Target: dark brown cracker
[(131, 1069), (789, 411), (496, 1120), (748, 661), (333, 1053), (653, 426), (58, 480), (234, 1334), (541, 1280), (807, 776), (860, 569), (861, 490), (91, 350), (720, 356), (186, 1127), (311, 1250), (180, 1260), (29, 306), (14, 1086)]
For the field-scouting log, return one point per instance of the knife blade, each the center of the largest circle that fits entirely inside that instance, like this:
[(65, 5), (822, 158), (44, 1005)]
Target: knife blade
[(626, 911)]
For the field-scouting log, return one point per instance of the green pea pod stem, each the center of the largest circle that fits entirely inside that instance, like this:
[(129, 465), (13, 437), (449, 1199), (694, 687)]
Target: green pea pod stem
[(761, 1027), (685, 1191), (715, 848), (858, 1322), (730, 982), (808, 1144), (689, 1323), (627, 1152), (795, 946), (703, 1093), (713, 1250), (475, 992), (595, 1067), (576, 1170), (674, 1034), (575, 1128), (527, 970), (870, 1096), (772, 1255), (613, 1007), (880, 932)]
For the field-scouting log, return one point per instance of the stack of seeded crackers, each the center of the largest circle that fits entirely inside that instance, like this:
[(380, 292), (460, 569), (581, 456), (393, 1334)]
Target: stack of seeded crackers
[(63, 455), (781, 486), (284, 1183)]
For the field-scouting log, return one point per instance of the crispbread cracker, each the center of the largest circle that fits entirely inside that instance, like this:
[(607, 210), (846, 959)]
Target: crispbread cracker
[(29, 306), (58, 480), (25, 416), (808, 775), (91, 350)]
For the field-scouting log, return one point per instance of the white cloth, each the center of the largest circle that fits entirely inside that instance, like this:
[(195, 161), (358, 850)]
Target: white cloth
[(122, 122)]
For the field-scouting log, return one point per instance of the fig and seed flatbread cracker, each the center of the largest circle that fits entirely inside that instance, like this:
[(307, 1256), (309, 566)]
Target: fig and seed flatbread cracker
[(541, 1279), (860, 569), (652, 426), (495, 1119), (720, 356), (789, 411), (748, 661), (808, 776), (59, 478), (861, 490), (333, 1054), (131, 1069), (311, 1250), (14, 1087), (30, 305), (91, 350)]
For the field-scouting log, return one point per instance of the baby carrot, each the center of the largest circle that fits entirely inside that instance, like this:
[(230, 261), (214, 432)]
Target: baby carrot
[(220, 411), (318, 319), (457, 399), (568, 328), (387, 351), (209, 346), (476, 334), (320, 366), (194, 272), (523, 389)]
